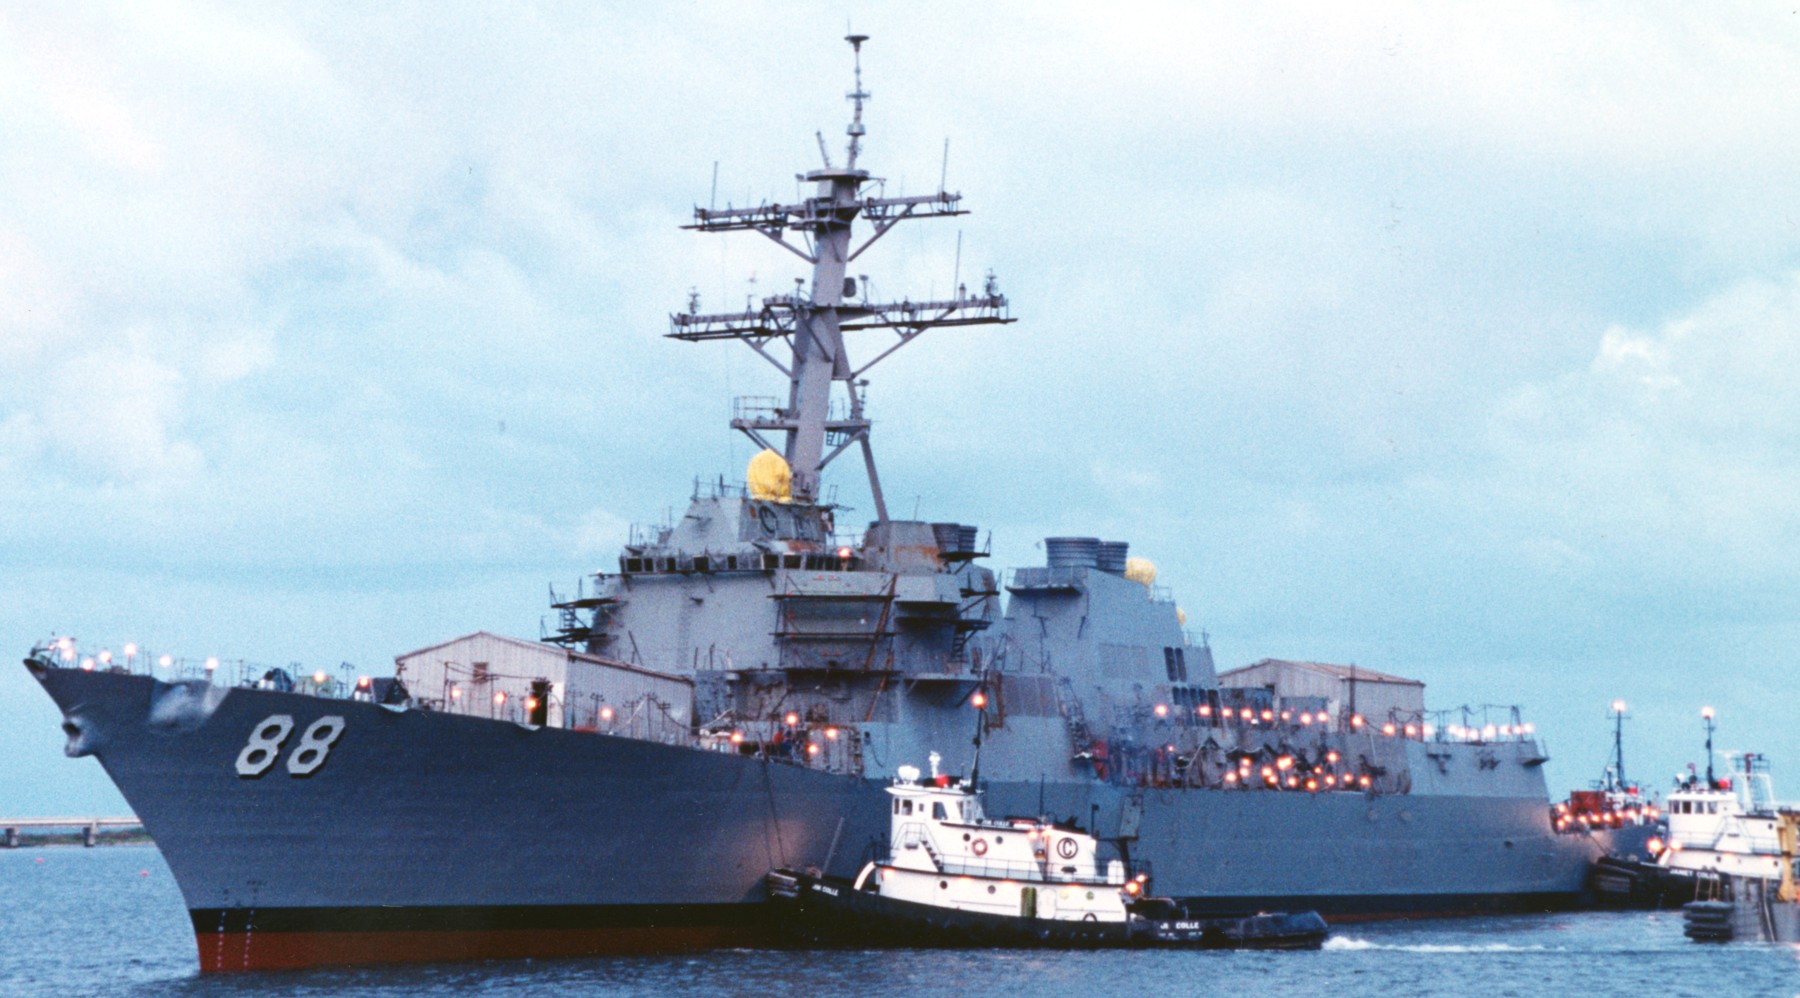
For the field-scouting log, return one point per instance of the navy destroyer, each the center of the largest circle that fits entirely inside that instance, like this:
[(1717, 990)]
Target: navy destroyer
[(738, 691)]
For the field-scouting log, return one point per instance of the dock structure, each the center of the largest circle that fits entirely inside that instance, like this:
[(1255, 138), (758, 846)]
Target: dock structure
[(90, 827)]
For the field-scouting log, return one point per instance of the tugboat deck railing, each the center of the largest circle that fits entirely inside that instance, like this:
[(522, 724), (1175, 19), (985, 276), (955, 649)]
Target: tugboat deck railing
[(1024, 870)]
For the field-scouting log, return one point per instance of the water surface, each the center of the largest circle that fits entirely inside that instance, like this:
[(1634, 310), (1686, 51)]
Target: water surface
[(109, 921)]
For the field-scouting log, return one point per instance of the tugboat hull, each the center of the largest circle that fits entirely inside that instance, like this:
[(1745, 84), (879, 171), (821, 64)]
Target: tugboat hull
[(826, 912)]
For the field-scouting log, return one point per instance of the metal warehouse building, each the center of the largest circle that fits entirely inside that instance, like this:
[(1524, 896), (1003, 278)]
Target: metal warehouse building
[(491, 675), (1341, 689)]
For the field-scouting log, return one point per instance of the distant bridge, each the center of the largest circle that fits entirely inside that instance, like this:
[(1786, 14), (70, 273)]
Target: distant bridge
[(90, 827)]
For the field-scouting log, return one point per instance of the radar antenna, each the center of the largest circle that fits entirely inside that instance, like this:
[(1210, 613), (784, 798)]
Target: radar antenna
[(857, 96), (812, 323)]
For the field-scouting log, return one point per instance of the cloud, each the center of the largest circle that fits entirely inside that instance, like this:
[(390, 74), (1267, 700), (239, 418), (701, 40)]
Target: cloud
[(1675, 448), (118, 415), (1394, 334)]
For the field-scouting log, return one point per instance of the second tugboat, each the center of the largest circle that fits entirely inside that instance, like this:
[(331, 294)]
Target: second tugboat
[(953, 877), (1729, 842)]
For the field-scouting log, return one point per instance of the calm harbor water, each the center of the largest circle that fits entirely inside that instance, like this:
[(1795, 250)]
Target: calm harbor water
[(109, 921)]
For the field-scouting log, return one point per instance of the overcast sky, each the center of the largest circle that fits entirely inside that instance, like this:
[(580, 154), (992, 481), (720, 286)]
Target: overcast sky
[(1458, 342)]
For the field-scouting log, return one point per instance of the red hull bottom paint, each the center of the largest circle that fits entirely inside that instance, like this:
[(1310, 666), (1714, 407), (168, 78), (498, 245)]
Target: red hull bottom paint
[(242, 939), (229, 952)]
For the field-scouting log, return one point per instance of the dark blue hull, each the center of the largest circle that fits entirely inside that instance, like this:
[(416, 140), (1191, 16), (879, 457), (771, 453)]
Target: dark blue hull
[(424, 836)]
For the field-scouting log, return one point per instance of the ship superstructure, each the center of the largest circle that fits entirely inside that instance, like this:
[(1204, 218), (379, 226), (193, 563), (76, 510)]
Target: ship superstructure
[(738, 693)]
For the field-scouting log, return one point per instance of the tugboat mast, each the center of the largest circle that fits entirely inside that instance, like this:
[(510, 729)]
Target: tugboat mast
[(1706, 714), (1617, 775), (814, 323)]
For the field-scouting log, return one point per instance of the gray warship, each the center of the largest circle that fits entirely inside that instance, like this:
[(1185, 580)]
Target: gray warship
[(737, 693)]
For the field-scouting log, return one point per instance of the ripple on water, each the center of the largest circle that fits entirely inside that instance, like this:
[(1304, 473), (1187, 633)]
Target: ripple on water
[(110, 921)]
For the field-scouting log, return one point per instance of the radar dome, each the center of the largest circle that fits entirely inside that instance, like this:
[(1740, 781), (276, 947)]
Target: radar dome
[(1141, 571), (770, 477)]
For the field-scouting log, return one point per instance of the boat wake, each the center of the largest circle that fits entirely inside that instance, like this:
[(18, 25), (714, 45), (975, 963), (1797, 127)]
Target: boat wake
[(1346, 944)]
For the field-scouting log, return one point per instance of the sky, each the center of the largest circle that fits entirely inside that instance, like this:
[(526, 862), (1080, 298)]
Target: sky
[(1456, 342)]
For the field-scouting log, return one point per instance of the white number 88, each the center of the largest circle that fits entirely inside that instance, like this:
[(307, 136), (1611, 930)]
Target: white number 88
[(315, 744), (266, 739), (264, 745)]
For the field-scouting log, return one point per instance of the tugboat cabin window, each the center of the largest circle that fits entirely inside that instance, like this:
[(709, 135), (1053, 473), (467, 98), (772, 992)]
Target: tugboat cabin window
[(937, 810), (906, 807)]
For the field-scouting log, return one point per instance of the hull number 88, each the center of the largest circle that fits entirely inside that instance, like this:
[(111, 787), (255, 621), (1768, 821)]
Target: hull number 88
[(271, 733)]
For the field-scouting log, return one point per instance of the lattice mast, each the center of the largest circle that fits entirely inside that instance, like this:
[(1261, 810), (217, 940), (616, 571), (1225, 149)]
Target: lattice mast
[(813, 321)]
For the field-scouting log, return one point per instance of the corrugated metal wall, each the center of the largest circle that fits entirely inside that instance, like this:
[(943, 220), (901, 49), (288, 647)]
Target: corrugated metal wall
[(1375, 700), (489, 675)]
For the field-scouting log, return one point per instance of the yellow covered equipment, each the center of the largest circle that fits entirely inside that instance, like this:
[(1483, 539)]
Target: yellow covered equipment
[(770, 477), (1141, 571)]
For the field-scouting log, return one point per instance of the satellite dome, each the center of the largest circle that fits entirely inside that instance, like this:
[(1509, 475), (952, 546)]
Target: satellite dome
[(770, 477), (1141, 571)]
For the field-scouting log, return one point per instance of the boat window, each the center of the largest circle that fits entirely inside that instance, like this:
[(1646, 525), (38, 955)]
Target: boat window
[(937, 810), (906, 807), (896, 806), (1175, 665)]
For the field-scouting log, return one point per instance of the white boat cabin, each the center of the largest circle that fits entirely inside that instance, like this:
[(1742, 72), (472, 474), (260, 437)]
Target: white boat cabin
[(944, 851), (1714, 829)]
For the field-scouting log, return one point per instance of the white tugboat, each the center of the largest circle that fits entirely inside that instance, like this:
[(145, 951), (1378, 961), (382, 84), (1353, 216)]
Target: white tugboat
[(1731, 827), (1728, 859), (1735, 846), (954, 877)]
